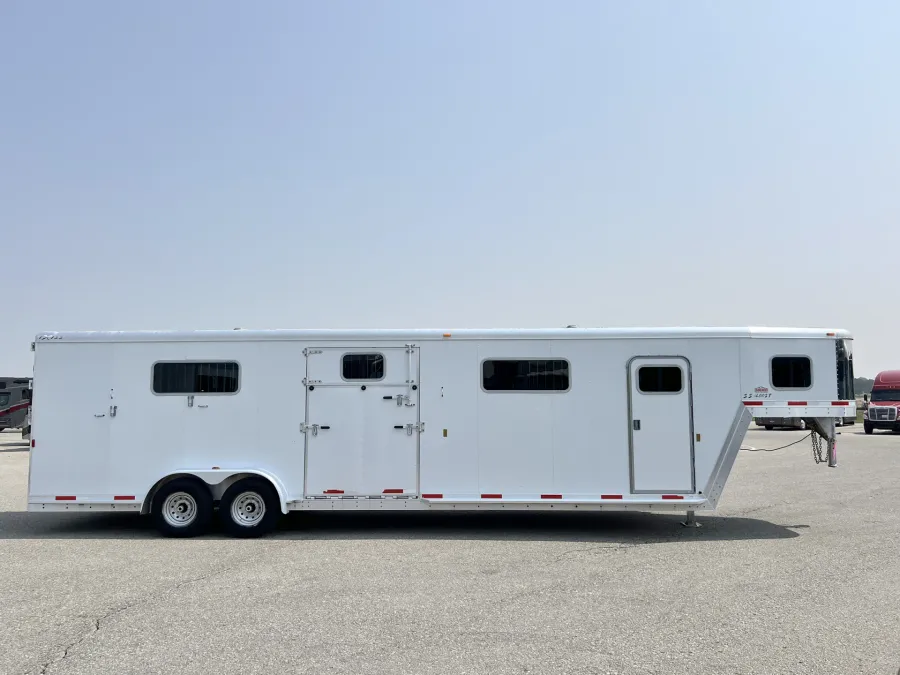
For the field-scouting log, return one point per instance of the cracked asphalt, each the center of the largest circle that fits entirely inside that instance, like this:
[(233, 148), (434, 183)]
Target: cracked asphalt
[(798, 572)]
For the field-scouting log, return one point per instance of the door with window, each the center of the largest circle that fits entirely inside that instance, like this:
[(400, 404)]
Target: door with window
[(661, 425), (362, 421), (202, 397)]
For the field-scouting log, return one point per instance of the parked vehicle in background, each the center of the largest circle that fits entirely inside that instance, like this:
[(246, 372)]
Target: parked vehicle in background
[(15, 402), (770, 423), (883, 406)]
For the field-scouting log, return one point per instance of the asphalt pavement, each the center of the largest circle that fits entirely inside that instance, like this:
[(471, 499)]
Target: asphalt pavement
[(797, 573)]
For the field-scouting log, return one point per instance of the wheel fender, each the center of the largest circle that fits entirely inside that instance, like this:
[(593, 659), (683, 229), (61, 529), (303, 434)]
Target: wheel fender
[(216, 476)]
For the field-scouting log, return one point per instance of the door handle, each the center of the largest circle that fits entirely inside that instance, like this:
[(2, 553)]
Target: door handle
[(99, 414), (324, 427), (636, 425)]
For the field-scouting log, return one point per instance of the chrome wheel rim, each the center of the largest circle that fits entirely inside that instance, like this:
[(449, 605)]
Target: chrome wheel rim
[(179, 509), (248, 508)]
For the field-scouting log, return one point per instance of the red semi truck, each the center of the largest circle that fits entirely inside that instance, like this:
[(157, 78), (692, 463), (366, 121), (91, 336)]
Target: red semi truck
[(882, 408)]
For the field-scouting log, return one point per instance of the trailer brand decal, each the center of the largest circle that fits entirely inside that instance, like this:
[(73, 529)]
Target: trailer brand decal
[(759, 392), (49, 337)]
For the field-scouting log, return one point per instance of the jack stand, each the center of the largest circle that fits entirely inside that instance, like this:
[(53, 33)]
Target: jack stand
[(691, 520)]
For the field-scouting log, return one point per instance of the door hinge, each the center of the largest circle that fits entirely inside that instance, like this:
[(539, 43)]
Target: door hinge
[(312, 428), (307, 351), (307, 382)]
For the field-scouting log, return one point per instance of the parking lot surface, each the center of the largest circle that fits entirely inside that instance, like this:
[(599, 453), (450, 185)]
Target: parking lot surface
[(798, 572)]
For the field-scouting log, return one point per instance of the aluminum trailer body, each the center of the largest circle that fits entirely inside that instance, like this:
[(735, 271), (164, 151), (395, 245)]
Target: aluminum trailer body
[(261, 422)]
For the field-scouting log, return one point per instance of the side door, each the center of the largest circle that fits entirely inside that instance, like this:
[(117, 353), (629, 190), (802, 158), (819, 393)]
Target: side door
[(362, 421), (73, 402), (660, 425)]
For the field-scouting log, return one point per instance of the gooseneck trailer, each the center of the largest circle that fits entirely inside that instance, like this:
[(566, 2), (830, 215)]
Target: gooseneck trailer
[(246, 425)]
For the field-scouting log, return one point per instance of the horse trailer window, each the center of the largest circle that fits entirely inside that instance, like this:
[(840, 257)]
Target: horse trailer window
[(185, 377), (525, 375), (659, 379), (791, 372), (362, 366)]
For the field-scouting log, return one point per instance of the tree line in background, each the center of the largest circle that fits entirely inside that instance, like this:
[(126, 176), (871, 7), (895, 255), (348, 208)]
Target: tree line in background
[(862, 385)]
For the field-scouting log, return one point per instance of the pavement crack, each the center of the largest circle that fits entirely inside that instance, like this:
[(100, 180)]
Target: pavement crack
[(591, 549), (96, 622)]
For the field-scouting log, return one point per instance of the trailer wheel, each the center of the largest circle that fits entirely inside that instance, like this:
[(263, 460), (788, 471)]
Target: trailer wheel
[(249, 508), (182, 508)]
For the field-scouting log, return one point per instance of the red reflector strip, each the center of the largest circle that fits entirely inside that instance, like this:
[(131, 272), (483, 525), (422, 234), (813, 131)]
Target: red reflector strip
[(610, 496), (436, 495), (393, 491), (551, 496), (797, 403), (124, 498), (753, 402), (333, 492), (491, 495), (673, 497), (32, 442), (65, 498), (840, 403)]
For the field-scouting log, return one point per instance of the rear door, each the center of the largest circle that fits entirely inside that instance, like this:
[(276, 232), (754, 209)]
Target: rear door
[(661, 425), (362, 421)]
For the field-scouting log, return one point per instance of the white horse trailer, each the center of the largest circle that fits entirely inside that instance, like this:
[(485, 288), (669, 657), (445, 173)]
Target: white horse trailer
[(261, 422)]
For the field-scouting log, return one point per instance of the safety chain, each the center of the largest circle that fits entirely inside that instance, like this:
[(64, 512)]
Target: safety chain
[(818, 447)]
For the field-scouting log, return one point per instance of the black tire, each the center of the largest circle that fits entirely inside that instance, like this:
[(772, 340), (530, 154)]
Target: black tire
[(240, 507), (867, 428), (177, 499), (769, 427)]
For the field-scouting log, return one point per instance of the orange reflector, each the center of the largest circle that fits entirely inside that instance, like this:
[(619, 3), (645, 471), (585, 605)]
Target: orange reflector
[(446, 334), (672, 497), (393, 491), (333, 492), (610, 496), (797, 403), (491, 495), (551, 496), (830, 334), (435, 495), (65, 498)]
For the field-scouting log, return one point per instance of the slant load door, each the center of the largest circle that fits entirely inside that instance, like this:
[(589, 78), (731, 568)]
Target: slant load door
[(362, 421), (660, 425)]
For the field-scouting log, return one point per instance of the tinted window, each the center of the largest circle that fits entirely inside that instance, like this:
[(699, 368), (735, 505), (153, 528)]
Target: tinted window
[(659, 379), (791, 372), (363, 366), (525, 375), (4, 400), (195, 378)]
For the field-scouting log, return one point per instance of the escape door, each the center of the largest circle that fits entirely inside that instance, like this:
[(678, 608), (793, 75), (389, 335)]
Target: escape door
[(362, 421), (660, 425)]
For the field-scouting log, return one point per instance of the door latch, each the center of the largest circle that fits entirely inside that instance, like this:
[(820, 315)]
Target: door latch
[(112, 410), (410, 428), (313, 428)]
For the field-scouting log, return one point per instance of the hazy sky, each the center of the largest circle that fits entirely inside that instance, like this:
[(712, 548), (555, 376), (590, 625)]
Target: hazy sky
[(464, 164)]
